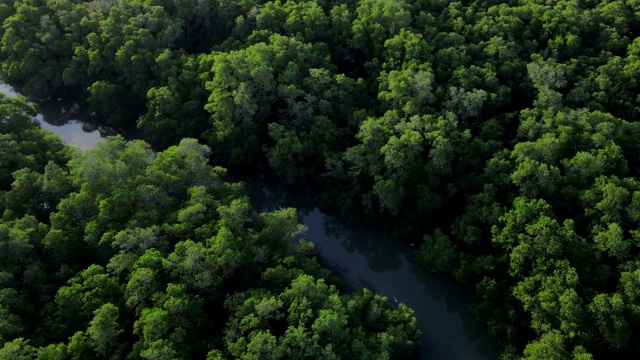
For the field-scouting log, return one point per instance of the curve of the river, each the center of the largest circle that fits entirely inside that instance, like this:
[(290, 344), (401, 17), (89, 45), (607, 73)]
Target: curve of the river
[(371, 259), (71, 131), (364, 258)]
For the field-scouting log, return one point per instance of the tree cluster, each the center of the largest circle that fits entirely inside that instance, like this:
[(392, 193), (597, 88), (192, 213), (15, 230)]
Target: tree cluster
[(120, 252), (503, 135)]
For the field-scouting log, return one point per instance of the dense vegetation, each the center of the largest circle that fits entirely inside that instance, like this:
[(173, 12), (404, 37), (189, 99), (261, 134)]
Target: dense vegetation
[(120, 252), (503, 134)]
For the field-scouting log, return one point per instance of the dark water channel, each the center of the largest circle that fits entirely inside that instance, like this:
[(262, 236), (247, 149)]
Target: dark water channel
[(368, 258), (364, 258)]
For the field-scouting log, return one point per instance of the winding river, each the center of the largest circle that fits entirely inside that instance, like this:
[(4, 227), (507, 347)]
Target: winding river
[(364, 257)]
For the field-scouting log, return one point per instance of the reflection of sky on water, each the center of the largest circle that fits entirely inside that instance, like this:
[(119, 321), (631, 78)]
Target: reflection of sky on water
[(71, 131), (8, 90)]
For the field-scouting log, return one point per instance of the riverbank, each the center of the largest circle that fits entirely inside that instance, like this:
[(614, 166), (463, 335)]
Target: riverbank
[(368, 258), (364, 258)]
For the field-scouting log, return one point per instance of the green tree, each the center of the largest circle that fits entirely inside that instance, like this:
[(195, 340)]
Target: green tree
[(103, 331)]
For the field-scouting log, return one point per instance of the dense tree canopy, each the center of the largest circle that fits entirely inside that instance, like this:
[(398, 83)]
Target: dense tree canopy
[(121, 252), (502, 136)]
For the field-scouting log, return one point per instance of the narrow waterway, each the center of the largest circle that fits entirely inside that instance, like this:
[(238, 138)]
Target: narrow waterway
[(364, 257), (60, 118), (371, 259)]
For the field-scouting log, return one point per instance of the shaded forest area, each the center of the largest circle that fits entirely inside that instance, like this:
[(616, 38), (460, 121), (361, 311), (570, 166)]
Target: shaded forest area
[(503, 136)]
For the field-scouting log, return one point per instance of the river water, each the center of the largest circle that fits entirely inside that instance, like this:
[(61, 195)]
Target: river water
[(58, 117), (368, 258), (364, 257)]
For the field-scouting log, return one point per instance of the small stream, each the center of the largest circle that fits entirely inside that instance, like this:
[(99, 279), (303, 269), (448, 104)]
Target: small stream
[(363, 257)]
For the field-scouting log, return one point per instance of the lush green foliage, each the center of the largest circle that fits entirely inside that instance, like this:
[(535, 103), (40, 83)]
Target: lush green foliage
[(23, 144), (128, 253), (504, 135)]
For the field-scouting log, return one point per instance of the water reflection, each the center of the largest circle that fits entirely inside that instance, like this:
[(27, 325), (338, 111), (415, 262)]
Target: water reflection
[(70, 121), (372, 245), (8, 90), (367, 258)]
